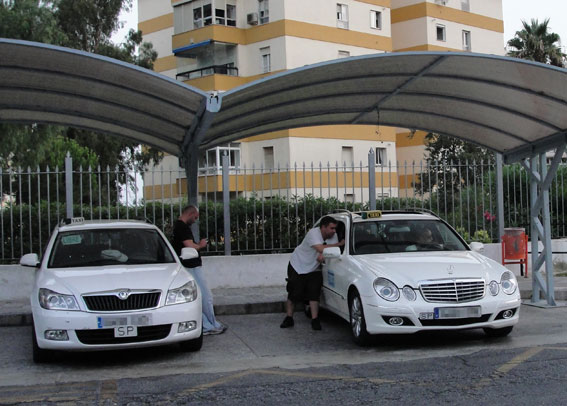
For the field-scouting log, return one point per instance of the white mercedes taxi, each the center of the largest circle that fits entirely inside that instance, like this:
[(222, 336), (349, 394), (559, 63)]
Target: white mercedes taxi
[(111, 285), (401, 272)]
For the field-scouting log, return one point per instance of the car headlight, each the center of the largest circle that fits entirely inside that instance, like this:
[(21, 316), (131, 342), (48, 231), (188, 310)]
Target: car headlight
[(409, 293), (51, 300), (184, 294), (508, 283), (494, 288), (386, 289)]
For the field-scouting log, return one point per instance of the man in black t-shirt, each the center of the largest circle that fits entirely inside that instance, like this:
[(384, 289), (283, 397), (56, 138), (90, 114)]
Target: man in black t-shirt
[(183, 237)]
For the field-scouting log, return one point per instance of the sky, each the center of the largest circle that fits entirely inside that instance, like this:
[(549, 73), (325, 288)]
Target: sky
[(517, 10), (514, 12)]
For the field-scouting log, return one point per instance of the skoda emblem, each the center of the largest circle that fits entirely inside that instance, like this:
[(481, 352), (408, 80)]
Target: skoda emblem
[(450, 269), (123, 294)]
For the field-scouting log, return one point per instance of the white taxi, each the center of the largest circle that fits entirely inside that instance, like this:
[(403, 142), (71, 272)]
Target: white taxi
[(111, 285), (401, 272)]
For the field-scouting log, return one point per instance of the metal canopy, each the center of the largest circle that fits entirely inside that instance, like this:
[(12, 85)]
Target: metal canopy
[(41, 83), (508, 105), (511, 106)]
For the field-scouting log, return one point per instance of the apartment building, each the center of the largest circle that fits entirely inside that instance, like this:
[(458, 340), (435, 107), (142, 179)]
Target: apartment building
[(216, 45)]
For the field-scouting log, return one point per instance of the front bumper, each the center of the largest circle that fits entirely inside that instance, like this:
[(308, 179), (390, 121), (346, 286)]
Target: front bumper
[(95, 331), (377, 310)]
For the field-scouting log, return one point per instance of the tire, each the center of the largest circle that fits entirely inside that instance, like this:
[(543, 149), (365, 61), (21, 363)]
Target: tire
[(40, 355), (192, 345), (357, 321), (498, 332)]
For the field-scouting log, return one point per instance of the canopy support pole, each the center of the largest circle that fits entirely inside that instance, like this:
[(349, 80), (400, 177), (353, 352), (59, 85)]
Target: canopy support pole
[(541, 177)]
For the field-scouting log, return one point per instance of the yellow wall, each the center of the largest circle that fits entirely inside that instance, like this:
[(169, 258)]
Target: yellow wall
[(283, 180), (341, 132), (282, 28), (426, 9), (405, 140)]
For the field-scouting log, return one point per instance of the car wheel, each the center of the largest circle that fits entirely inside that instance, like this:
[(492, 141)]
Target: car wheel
[(357, 322), (192, 345), (40, 355), (498, 332)]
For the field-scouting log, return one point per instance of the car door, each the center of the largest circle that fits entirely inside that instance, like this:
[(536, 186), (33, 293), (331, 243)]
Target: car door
[(336, 279)]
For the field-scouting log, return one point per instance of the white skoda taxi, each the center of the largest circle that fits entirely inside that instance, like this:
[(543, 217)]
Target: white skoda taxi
[(401, 272), (111, 285)]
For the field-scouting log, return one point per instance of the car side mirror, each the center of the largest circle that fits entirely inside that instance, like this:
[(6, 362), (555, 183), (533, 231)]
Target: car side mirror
[(477, 246), (332, 253), (30, 260), (188, 253)]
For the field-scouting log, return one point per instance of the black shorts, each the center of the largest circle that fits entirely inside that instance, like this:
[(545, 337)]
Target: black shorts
[(302, 287)]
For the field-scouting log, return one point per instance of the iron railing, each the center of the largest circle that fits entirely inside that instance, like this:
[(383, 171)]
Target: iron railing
[(270, 208)]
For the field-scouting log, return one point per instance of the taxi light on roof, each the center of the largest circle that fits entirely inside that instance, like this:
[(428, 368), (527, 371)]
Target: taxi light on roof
[(75, 220), (374, 214)]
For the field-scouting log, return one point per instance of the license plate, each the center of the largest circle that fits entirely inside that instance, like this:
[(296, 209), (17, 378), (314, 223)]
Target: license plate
[(118, 321), (457, 312), (125, 331)]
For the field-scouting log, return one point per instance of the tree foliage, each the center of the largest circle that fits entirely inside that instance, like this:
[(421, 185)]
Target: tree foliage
[(535, 43), (86, 25), (442, 155)]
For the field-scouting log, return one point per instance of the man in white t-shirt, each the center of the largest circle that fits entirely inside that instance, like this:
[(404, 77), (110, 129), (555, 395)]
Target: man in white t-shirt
[(304, 276)]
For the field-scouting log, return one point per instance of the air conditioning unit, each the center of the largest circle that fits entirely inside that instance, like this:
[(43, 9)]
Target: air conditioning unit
[(252, 18)]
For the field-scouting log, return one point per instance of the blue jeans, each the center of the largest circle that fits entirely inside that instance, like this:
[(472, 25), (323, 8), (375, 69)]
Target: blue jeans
[(209, 320)]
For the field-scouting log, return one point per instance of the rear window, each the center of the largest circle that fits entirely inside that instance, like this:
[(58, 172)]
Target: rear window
[(97, 247)]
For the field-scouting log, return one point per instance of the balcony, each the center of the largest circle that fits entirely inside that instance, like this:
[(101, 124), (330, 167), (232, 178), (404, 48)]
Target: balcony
[(226, 69)]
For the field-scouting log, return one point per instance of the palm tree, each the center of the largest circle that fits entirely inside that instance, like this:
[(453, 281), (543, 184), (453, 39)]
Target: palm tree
[(535, 43)]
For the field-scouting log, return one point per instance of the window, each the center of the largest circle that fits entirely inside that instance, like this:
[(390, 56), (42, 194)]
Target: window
[(264, 11), (265, 60), (376, 19), (440, 32), (231, 15), (219, 16), (381, 156), (342, 16), (349, 198), (344, 54), (465, 5), (347, 156), (197, 17), (268, 157), (466, 40), (207, 14)]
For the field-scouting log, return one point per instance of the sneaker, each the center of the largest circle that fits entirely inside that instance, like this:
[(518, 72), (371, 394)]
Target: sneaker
[(316, 324), (287, 322), (215, 331)]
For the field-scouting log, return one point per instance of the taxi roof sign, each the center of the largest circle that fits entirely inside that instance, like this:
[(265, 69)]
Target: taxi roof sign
[(373, 214)]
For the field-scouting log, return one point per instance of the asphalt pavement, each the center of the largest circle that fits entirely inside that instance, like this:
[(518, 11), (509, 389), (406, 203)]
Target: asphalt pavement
[(257, 300)]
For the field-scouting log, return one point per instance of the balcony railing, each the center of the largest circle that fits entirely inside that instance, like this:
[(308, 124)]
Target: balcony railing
[(209, 70)]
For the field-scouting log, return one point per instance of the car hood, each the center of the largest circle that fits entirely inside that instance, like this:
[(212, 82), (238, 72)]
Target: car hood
[(409, 269), (107, 278)]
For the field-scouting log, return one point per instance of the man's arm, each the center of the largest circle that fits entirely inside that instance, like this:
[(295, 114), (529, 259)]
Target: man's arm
[(191, 244), (320, 247)]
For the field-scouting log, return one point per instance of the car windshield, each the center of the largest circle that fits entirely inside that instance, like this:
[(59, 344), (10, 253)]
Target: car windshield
[(385, 236), (96, 247)]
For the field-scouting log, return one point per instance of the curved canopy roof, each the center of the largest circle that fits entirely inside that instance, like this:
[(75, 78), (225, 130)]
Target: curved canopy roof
[(509, 105)]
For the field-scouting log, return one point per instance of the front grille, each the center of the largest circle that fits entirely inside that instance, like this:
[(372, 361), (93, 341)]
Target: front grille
[(455, 322), (452, 291), (106, 335), (111, 302)]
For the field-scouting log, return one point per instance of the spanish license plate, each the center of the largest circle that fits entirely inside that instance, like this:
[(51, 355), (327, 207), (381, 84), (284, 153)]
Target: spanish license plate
[(457, 312), (125, 331)]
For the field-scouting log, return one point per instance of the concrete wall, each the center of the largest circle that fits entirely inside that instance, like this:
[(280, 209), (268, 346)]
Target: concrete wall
[(238, 271)]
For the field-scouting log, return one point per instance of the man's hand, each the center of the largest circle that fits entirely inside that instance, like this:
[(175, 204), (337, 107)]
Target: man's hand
[(341, 243), (320, 258), (202, 243)]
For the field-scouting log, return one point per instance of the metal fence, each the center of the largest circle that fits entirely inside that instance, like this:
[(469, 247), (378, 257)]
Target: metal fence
[(270, 208)]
